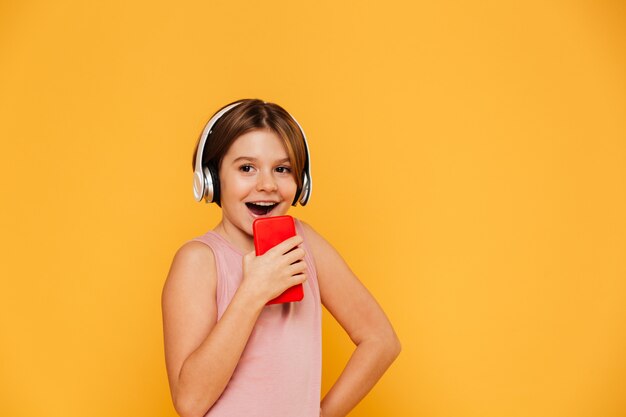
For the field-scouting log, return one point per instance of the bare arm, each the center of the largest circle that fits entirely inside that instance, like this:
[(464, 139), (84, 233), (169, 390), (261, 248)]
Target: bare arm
[(202, 353), (359, 314)]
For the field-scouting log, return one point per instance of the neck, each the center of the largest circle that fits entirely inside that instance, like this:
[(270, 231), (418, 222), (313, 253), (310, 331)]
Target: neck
[(236, 237)]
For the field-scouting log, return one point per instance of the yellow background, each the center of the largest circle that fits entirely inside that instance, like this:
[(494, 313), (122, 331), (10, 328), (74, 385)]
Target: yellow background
[(469, 162)]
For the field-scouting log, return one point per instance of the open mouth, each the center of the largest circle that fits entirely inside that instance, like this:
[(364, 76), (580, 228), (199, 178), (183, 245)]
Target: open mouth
[(261, 208)]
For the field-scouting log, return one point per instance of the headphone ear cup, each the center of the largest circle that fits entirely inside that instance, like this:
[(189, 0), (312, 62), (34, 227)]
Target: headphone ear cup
[(306, 189), (302, 193), (213, 184)]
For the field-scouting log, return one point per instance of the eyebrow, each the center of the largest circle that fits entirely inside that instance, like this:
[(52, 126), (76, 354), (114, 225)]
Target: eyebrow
[(250, 158)]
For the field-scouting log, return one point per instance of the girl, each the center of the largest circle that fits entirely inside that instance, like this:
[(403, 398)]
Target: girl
[(228, 353)]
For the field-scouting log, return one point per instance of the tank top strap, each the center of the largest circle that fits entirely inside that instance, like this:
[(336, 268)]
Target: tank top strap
[(308, 258)]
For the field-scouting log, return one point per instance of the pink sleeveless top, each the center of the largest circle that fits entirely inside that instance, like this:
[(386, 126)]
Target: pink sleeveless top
[(279, 373)]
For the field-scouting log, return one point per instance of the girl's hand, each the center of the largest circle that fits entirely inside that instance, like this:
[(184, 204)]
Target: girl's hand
[(269, 275)]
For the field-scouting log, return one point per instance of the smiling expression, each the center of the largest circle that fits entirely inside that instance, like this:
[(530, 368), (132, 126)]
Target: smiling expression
[(256, 180)]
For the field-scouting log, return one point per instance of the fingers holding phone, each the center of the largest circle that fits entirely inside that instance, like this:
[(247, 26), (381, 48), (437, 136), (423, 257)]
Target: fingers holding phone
[(279, 259), (270, 274)]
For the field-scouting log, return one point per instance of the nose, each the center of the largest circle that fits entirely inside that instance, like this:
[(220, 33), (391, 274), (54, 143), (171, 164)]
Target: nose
[(266, 182)]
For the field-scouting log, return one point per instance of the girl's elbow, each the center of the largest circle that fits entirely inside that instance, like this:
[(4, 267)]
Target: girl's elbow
[(395, 347), (391, 346), (186, 407), (387, 344)]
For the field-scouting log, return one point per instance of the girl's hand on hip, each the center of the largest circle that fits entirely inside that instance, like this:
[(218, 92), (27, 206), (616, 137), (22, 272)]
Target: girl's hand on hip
[(269, 275)]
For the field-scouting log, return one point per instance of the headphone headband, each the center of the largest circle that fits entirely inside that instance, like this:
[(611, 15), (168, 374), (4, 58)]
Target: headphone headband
[(203, 181)]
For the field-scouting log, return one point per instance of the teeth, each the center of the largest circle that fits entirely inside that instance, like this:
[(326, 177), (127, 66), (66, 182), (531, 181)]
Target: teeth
[(264, 203)]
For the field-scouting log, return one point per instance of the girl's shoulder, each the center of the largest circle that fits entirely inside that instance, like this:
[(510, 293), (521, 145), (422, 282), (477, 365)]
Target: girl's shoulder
[(193, 259), (192, 277), (314, 240), (195, 249), (309, 232)]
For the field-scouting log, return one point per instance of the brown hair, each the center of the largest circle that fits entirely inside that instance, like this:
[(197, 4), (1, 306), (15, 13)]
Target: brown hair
[(254, 114)]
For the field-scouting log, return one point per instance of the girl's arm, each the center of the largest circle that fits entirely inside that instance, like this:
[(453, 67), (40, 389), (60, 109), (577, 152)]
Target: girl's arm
[(359, 314), (202, 353)]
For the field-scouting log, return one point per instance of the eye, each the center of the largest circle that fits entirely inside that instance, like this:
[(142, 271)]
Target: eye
[(283, 170), (245, 168)]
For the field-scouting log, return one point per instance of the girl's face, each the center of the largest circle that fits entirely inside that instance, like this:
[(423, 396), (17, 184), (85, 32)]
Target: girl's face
[(256, 180)]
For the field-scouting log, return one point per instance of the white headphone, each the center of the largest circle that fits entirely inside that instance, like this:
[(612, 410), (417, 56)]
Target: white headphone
[(206, 180)]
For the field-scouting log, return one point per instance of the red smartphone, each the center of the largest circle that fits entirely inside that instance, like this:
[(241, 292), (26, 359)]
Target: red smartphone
[(269, 232)]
